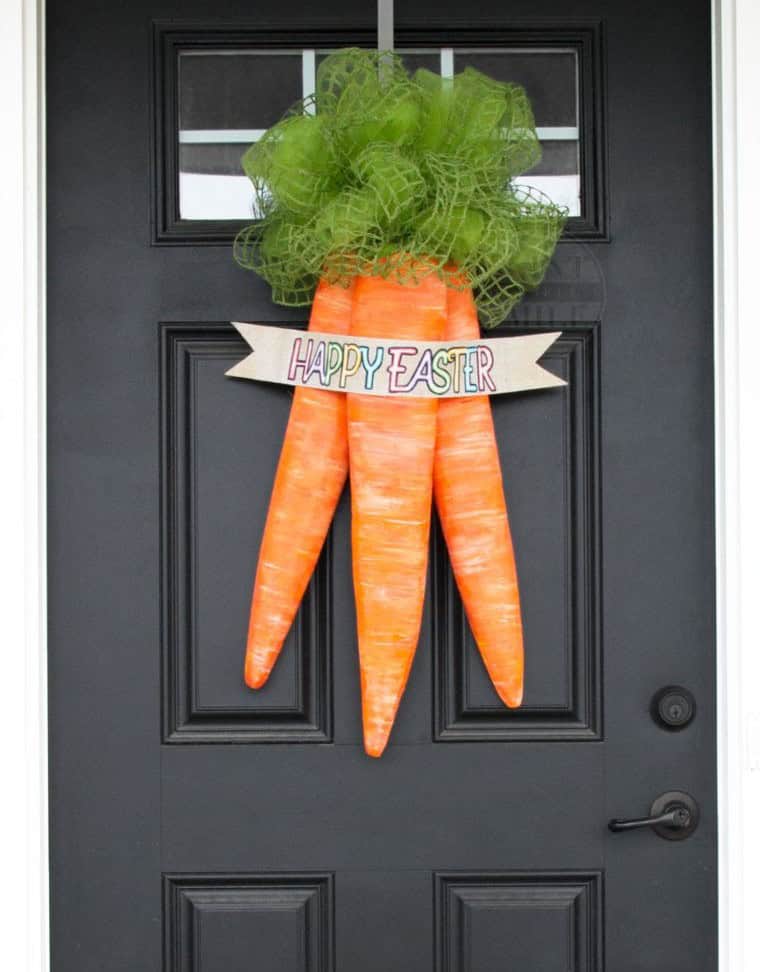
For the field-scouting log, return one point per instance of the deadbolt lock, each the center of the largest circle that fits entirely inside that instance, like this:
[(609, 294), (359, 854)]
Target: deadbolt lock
[(673, 707)]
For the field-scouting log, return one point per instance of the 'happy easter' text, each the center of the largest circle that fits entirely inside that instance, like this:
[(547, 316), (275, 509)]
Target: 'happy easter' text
[(394, 369)]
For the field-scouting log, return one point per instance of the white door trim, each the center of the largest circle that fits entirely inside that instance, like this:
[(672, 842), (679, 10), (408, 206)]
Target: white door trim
[(736, 96), (23, 744)]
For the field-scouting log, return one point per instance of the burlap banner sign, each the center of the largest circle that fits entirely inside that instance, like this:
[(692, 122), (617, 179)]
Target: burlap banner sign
[(423, 369)]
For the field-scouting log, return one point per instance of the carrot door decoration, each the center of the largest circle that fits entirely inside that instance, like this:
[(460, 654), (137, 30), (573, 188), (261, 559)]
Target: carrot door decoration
[(392, 446), (469, 496), (388, 200), (310, 477)]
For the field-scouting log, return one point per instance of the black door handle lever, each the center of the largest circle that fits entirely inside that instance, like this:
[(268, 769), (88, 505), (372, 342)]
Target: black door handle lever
[(673, 815), (678, 819)]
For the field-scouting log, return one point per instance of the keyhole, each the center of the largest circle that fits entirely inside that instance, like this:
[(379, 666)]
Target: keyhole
[(682, 817), (673, 707)]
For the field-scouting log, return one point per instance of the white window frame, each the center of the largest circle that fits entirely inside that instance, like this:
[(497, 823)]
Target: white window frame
[(23, 744)]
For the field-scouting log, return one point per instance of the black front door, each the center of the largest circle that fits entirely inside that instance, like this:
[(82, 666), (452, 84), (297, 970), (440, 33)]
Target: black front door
[(197, 825)]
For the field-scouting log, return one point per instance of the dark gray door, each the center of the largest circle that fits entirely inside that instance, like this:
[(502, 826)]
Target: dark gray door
[(199, 826)]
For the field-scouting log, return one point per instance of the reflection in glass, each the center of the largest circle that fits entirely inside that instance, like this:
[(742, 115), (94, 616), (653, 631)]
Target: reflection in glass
[(228, 98)]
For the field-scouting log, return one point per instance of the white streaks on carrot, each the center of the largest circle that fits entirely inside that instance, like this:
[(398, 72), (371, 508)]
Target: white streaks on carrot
[(470, 498), (310, 477), (391, 448)]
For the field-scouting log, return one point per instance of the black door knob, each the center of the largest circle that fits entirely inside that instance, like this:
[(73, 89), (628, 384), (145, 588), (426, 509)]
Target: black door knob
[(673, 816), (673, 707)]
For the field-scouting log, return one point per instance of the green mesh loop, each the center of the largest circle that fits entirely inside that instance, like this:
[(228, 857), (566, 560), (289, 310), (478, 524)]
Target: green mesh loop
[(394, 180), (397, 176)]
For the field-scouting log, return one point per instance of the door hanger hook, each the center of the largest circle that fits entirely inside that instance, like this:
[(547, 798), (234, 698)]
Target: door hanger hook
[(385, 25)]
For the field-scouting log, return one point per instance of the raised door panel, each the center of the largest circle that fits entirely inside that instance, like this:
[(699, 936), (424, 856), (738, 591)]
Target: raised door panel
[(540, 921), (549, 446), (235, 923), (221, 440)]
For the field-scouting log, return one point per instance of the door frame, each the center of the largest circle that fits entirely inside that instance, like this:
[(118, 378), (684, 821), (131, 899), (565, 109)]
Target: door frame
[(23, 745)]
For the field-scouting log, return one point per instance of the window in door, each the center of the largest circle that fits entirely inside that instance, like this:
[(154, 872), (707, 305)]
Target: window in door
[(214, 101)]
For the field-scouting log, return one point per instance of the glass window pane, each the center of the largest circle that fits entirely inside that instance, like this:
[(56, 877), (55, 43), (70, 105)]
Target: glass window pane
[(227, 98), (549, 77), (429, 59), (413, 58), (246, 89), (551, 80)]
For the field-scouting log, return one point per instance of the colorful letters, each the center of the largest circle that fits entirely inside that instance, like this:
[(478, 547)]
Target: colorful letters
[(396, 370)]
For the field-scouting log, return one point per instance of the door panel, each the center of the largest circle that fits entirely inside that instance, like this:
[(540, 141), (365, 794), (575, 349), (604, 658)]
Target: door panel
[(219, 921), (550, 453), (215, 502), (196, 825), (542, 921)]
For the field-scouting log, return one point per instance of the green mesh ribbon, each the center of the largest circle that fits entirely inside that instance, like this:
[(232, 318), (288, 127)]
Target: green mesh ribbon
[(386, 174)]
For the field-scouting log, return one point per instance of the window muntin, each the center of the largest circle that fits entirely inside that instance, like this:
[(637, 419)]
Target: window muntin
[(227, 98)]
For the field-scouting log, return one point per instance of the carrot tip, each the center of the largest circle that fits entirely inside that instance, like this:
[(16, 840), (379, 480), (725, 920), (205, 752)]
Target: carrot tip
[(512, 698), (254, 676), (376, 740)]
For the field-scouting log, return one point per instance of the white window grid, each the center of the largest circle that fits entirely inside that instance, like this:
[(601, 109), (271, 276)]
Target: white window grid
[(246, 136)]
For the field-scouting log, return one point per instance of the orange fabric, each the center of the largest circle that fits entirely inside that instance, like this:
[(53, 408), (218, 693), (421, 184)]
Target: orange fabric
[(391, 447), (469, 496), (310, 477), (401, 450)]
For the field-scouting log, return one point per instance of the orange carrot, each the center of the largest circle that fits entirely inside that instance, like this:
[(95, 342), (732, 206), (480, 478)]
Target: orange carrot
[(469, 496), (391, 448), (310, 477)]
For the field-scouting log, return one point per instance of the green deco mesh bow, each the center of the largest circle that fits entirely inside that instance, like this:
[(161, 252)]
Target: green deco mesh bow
[(379, 167)]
